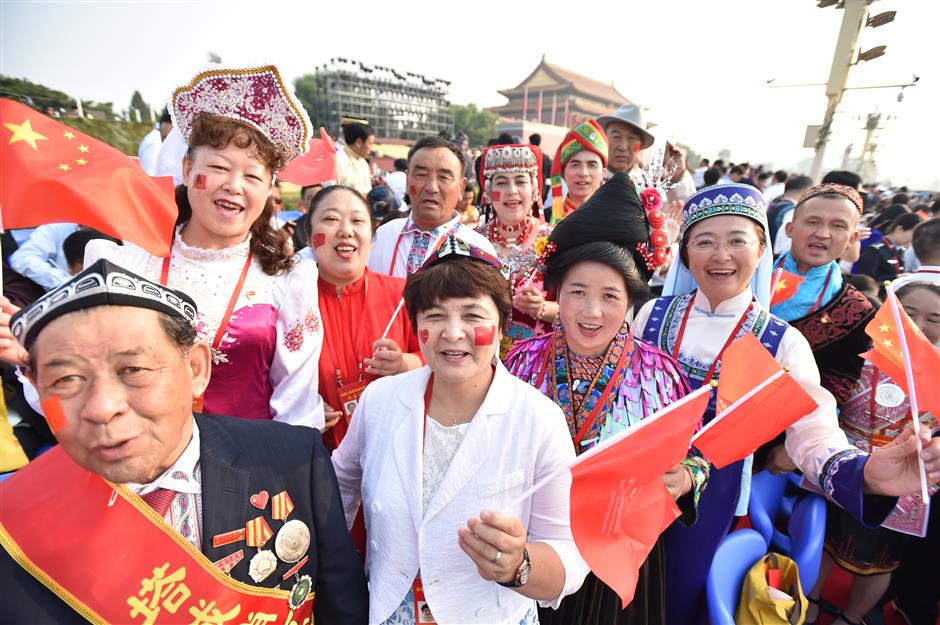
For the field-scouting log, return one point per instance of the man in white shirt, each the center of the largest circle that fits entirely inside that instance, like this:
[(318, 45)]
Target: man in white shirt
[(776, 189), (435, 186), (352, 159), (149, 147), (698, 176), (396, 180), (41, 258)]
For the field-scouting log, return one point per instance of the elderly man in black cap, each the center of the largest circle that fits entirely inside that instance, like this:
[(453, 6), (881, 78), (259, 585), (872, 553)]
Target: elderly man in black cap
[(146, 512)]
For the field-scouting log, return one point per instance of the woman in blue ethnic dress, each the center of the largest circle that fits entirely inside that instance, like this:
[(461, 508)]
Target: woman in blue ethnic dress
[(603, 379), (716, 291)]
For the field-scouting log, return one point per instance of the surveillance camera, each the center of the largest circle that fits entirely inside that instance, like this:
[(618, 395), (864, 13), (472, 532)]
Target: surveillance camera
[(901, 97), (916, 78)]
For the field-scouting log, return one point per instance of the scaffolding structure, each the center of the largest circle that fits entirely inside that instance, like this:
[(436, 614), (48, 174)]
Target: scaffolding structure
[(398, 105)]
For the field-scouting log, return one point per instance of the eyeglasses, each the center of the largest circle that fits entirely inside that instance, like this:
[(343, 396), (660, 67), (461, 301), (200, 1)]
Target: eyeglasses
[(709, 246)]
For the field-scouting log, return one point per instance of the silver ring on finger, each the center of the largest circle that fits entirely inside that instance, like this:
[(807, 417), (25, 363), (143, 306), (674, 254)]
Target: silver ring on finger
[(499, 554)]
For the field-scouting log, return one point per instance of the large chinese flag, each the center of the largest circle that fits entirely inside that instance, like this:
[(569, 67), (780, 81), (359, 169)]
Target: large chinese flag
[(886, 354), (316, 166), (740, 428), (52, 173), (786, 285), (619, 502)]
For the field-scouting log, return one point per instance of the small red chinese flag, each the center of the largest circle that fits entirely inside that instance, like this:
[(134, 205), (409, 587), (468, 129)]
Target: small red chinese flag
[(886, 354), (52, 173), (316, 166), (619, 503), (745, 366), (785, 287)]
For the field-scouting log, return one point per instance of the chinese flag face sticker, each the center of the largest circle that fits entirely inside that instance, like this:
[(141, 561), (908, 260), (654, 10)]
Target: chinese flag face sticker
[(484, 335), (497, 196), (200, 182), (423, 335), (319, 240)]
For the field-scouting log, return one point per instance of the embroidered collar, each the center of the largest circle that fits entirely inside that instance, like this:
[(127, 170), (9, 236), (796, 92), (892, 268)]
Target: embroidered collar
[(732, 307), (411, 227), (181, 476), (237, 251)]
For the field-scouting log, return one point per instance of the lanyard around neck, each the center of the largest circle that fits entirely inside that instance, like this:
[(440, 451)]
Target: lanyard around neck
[(734, 333)]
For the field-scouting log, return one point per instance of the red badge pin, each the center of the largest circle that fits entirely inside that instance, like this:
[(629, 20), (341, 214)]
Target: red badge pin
[(227, 563), (200, 182), (484, 335), (423, 335), (319, 240), (259, 500), (228, 537)]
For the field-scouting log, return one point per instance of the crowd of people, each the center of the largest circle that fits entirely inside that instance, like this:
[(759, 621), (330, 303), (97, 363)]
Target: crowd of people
[(339, 418)]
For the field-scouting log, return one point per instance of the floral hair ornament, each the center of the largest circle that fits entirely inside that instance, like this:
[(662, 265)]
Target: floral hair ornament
[(652, 184), (256, 96)]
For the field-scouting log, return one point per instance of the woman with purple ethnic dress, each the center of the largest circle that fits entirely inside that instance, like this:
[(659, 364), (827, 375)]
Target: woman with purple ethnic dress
[(512, 186), (258, 306), (717, 291), (603, 379)]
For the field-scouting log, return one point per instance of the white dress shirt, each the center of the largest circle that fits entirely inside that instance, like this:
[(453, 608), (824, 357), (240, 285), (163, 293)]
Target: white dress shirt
[(396, 182), (148, 150), (516, 437), (41, 258), (387, 244)]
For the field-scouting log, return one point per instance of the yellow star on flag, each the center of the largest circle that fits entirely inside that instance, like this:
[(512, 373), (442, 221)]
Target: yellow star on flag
[(68, 135), (883, 327), (64, 166), (81, 161), (25, 132), (782, 284), (887, 343), (83, 148)]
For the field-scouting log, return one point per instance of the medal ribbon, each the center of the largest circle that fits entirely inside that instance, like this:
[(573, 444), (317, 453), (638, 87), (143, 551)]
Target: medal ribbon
[(109, 518)]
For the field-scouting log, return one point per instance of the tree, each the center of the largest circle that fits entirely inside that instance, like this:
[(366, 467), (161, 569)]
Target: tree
[(478, 125), (137, 102)]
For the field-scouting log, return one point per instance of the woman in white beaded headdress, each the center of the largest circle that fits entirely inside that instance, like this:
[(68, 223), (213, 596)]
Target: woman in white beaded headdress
[(257, 304)]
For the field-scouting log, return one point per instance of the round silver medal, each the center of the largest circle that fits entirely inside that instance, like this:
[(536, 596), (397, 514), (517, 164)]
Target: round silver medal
[(292, 541), (262, 564), (889, 395)]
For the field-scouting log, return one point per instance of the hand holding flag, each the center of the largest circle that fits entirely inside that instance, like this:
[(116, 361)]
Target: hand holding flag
[(50, 172)]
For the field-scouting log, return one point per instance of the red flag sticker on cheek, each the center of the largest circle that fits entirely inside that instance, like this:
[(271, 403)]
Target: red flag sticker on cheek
[(412, 190), (423, 335), (484, 336), (497, 196), (637, 148), (319, 240), (200, 182), (55, 416)]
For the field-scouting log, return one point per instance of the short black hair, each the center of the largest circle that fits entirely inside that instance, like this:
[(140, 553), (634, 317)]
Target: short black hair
[(711, 176), (456, 279), (165, 117), (434, 142), (737, 169), (354, 132), (705, 160), (322, 196), (848, 178), (505, 139), (926, 239), (797, 183), (764, 175), (535, 138), (901, 198), (401, 164), (607, 253), (780, 176), (907, 221)]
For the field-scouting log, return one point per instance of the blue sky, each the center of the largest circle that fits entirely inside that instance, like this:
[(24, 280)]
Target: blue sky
[(700, 67)]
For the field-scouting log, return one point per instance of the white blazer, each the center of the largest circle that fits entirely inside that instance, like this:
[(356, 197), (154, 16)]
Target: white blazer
[(517, 436)]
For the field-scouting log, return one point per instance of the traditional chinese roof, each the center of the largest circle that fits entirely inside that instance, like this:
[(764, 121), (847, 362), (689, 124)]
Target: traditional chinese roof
[(549, 78)]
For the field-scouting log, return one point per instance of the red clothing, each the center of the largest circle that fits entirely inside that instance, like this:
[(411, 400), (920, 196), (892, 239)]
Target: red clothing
[(352, 322)]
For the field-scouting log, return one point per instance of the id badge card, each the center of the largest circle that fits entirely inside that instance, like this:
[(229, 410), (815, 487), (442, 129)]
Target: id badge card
[(349, 397), (422, 609)]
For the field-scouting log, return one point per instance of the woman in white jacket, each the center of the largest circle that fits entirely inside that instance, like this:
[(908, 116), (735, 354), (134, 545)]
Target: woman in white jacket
[(439, 456)]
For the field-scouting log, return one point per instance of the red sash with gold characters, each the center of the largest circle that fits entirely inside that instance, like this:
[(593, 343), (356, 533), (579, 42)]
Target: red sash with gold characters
[(110, 557)]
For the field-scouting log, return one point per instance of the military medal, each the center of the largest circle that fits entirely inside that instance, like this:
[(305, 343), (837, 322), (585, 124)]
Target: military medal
[(281, 506), (295, 568), (262, 564), (227, 563), (889, 395), (292, 541), (300, 592), (228, 538), (257, 532)]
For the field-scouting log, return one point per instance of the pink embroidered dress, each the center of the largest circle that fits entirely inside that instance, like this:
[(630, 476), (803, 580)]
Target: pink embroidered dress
[(266, 364)]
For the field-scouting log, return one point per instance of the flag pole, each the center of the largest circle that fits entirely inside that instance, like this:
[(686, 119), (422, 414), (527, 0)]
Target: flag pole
[(773, 286), (751, 393), (401, 302), (911, 391), (613, 440)]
